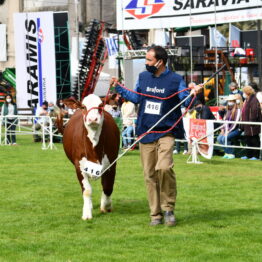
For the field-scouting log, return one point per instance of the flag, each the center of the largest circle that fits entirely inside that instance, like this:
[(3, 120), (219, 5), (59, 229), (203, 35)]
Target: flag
[(234, 36), (216, 38), (112, 45)]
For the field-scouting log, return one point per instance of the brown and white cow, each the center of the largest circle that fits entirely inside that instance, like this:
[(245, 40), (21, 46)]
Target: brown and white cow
[(91, 142)]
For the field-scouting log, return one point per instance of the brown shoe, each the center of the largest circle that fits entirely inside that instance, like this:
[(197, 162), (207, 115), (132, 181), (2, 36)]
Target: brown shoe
[(156, 222), (170, 219)]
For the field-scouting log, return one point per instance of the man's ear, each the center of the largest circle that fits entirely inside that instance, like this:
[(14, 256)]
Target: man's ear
[(159, 63), (72, 103)]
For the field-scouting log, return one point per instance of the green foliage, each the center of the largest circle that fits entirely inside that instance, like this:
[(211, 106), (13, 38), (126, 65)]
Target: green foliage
[(218, 211)]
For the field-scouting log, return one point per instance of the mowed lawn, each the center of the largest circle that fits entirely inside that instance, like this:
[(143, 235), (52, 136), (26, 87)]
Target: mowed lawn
[(219, 211)]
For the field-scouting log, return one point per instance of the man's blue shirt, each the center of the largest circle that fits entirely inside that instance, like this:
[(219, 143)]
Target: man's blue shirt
[(152, 109)]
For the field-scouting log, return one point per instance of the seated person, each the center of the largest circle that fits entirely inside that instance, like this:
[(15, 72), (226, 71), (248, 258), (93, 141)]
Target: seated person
[(203, 111), (230, 131)]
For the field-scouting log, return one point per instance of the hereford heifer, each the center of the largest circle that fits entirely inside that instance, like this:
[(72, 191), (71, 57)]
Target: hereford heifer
[(91, 141)]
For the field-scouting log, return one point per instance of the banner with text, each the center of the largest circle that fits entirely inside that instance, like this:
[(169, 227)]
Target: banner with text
[(201, 128), (149, 14), (3, 54), (35, 58)]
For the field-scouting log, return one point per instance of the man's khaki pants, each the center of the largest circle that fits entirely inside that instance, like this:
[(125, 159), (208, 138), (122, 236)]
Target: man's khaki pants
[(160, 179)]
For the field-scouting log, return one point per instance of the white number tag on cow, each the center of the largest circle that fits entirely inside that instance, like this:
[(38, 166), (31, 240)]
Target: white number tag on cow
[(92, 169), (153, 107)]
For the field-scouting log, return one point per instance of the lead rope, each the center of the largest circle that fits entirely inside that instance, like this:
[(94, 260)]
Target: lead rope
[(149, 130), (163, 117)]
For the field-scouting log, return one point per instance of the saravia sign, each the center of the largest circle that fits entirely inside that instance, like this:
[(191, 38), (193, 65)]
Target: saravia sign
[(151, 14)]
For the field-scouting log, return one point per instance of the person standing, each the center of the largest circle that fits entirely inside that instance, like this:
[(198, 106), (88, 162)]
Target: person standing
[(156, 149), (251, 112), (9, 109), (128, 112)]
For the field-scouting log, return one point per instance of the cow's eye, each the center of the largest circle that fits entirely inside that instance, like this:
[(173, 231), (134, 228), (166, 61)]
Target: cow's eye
[(100, 110)]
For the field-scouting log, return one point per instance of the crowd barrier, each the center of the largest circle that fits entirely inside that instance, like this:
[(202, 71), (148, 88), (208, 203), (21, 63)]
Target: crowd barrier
[(26, 126), (196, 142)]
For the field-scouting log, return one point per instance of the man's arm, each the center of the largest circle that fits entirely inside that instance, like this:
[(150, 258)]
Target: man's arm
[(129, 95), (184, 94)]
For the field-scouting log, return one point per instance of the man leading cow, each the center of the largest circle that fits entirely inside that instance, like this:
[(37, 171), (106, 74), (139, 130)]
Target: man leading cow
[(157, 148)]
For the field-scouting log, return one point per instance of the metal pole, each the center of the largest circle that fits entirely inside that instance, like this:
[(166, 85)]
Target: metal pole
[(77, 43), (101, 10), (259, 54)]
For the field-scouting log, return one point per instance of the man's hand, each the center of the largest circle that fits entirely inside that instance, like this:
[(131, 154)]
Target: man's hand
[(113, 81), (196, 89)]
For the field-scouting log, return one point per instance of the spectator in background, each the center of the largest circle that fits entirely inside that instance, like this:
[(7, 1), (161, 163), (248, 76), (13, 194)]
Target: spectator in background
[(63, 109), (233, 87), (203, 111), (115, 111), (112, 105), (230, 131), (9, 109), (128, 111), (239, 101), (41, 112), (251, 112), (178, 143), (259, 98)]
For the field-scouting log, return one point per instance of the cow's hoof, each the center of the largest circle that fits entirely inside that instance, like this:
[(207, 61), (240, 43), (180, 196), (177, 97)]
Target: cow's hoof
[(86, 218), (109, 210)]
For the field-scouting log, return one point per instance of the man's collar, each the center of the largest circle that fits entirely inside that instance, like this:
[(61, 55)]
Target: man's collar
[(163, 73)]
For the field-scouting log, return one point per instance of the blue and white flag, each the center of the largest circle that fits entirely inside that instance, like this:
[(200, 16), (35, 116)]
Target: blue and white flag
[(216, 38), (234, 36), (112, 45)]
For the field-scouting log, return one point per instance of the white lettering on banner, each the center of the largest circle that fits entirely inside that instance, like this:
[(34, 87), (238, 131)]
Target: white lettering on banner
[(140, 14), (35, 58), (155, 90), (152, 108)]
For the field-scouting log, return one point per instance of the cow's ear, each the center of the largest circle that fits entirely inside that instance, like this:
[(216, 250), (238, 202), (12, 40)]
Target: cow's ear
[(72, 103)]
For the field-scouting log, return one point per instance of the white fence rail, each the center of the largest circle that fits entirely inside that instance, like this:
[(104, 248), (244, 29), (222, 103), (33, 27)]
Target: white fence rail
[(26, 126)]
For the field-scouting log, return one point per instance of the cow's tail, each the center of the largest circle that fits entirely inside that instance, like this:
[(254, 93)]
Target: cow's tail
[(60, 122)]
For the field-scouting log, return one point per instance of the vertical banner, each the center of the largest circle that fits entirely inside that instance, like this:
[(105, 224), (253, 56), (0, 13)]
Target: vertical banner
[(3, 56), (35, 58), (199, 128)]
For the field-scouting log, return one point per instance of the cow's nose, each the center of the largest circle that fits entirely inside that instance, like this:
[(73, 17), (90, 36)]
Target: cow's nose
[(92, 119)]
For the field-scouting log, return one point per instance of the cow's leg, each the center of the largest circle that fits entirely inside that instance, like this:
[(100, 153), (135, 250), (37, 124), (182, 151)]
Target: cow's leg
[(107, 183), (87, 197), (86, 189), (106, 203)]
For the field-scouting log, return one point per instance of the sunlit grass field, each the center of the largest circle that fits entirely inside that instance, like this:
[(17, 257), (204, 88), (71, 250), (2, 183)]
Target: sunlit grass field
[(219, 211)]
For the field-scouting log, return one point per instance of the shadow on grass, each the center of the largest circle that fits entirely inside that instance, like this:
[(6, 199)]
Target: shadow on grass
[(215, 215)]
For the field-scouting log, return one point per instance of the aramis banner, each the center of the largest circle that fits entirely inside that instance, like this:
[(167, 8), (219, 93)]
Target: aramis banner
[(35, 58)]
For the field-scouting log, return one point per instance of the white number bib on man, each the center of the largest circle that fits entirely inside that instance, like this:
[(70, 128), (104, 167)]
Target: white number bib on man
[(153, 108)]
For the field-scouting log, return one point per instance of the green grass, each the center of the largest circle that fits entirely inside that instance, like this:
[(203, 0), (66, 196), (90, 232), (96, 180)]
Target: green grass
[(219, 211)]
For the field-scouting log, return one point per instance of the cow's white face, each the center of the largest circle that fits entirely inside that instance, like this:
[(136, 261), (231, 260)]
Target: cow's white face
[(93, 117)]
